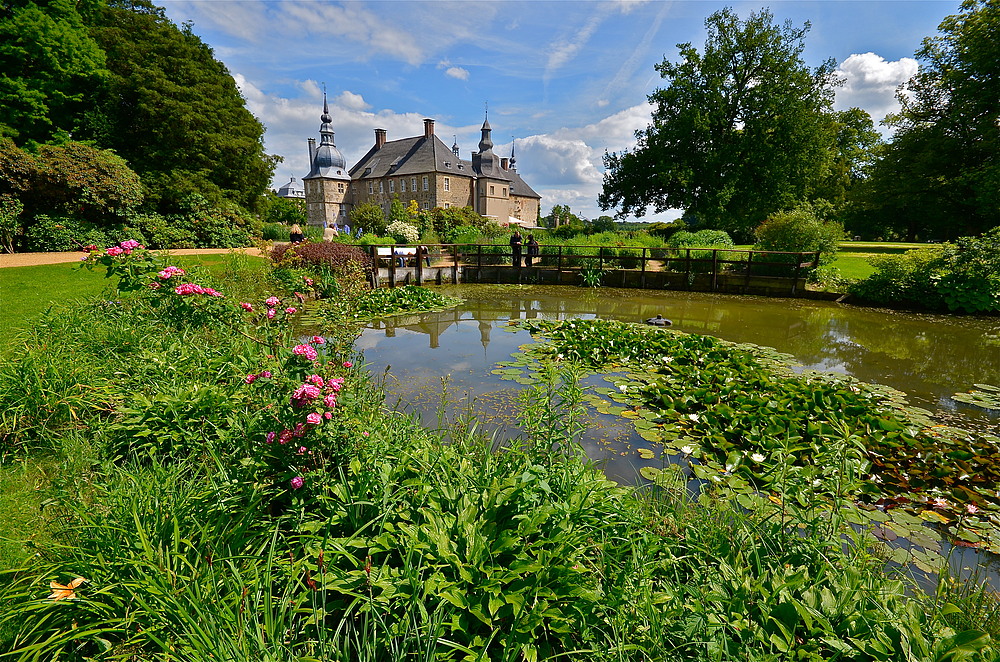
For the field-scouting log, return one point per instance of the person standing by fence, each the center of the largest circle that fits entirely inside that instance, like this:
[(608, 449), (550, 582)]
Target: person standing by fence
[(532, 250), (515, 248)]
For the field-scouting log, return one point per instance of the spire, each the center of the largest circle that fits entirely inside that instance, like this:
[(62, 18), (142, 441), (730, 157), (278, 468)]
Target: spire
[(486, 143), (513, 161), (454, 148), (325, 129)]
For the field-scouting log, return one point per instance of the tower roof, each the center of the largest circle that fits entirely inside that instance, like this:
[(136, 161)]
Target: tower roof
[(327, 161)]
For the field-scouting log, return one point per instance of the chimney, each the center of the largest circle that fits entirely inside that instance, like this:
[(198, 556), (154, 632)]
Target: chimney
[(503, 162), (379, 138), (312, 151), (428, 128)]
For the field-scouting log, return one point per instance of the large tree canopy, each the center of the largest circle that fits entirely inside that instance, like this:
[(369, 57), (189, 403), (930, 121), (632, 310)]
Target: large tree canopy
[(940, 177), (174, 112), (48, 63), (119, 75), (741, 130)]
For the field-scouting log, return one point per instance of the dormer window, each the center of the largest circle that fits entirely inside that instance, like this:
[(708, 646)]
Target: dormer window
[(368, 171), (447, 164)]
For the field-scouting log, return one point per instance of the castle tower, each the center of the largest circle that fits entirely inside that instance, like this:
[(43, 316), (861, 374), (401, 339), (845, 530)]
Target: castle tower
[(328, 184), (492, 186)]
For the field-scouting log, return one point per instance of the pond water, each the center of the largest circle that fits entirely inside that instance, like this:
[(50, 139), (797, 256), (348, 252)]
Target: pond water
[(438, 365)]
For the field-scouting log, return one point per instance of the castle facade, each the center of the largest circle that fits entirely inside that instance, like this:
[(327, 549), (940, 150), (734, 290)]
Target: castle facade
[(421, 168)]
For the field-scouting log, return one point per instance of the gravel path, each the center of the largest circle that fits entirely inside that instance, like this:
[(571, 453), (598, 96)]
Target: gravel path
[(32, 259)]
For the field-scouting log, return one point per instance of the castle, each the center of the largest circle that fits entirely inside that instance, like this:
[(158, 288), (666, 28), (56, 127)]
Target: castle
[(423, 169)]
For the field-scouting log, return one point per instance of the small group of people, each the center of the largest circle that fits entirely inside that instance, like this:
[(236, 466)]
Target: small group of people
[(516, 243), (296, 235)]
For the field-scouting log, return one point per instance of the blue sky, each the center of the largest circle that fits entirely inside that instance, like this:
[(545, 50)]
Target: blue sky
[(566, 79)]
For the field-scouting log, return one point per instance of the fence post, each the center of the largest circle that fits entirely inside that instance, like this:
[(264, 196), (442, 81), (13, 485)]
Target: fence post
[(746, 281), (687, 268), (600, 258), (559, 267), (392, 266), (715, 269), (642, 273), (373, 254), (420, 272), (454, 264), (479, 263)]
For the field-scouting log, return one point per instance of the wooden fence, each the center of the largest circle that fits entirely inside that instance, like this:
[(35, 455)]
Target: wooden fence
[(698, 269)]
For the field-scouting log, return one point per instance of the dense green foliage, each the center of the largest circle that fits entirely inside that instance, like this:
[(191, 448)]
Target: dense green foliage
[(742, 130), (800, 230), (939, 176), (155, 119), (961, 277)]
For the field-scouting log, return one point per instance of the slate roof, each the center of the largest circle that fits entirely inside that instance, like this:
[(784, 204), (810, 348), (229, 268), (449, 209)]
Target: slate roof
[(413, 156), (519, 187)]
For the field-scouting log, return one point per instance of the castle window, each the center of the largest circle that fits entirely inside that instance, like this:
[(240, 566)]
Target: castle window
[(504, 189), (371, 188), (381, 186), (402, 185), (427, 205), (413, 184), (340, 187), (392, 186), (447, 183), (447, 205), (493, 190), (425, 183)]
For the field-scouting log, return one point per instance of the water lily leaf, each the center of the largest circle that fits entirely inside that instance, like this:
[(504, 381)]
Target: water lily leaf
[(646, 453), (933, 516), (649, 473)]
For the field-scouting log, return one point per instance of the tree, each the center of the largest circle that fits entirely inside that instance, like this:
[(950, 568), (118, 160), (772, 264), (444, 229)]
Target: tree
[(369, 217), (174, 112), (84, 182), (741, 130), (940, 177), (283, 210), (49, 64)]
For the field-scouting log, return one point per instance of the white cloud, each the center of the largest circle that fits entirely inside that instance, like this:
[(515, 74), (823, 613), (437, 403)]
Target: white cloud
[(457, 72), (352, 101), (871, 83)]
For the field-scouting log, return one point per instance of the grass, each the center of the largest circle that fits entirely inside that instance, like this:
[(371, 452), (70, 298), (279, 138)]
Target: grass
[(29, 291)]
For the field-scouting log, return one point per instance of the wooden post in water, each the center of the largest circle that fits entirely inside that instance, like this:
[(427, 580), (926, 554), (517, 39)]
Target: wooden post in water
[(642, 273), (715, 269), (687, 268), (746, 280), (420, 271), (454, 264), (559, 267)]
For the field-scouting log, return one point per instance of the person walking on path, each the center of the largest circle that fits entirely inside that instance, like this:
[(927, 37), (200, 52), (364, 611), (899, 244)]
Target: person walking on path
[(295, 234), (532, 250), (515, 248), (329, 232)]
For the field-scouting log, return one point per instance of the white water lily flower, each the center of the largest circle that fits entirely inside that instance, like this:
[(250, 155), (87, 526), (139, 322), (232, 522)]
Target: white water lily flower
[(757, 457), (693, 417), (687, 450), (623, 387)]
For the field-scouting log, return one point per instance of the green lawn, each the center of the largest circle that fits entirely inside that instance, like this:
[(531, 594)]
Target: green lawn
[(29, 291)]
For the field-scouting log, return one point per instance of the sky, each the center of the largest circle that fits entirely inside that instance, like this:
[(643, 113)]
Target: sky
[(564, 80)]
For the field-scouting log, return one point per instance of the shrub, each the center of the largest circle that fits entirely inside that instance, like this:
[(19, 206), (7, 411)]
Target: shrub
[(54, 233), (799, 230), (162, 232), (907, 279), (403, 232), (701, 239)]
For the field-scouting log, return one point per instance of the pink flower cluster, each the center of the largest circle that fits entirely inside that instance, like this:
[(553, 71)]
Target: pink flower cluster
[(124, 248), (170, 272), (305, 351), (251, 378), (192, 288)]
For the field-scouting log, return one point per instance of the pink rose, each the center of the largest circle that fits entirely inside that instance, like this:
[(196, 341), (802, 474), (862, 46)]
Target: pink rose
[(114, 251), (347, 364), (327, 415), (265, 374), (305, 351), (290, 311), (297, 482), (270, 313), (270, 437), (272, 301), (318, 340), (314, 419), (285, 436), (250, 379), (246, 306), (306, 392), (130, 244), (300, 429), (330, 400)]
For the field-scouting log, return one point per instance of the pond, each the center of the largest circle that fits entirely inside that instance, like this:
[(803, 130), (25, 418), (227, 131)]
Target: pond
[(438, 365)]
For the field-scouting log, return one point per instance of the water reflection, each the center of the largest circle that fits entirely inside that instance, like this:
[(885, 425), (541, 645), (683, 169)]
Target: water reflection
[(929, 357), (439, 363)]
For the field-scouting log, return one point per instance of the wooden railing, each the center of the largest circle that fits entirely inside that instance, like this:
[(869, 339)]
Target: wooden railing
[(498, 260)]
